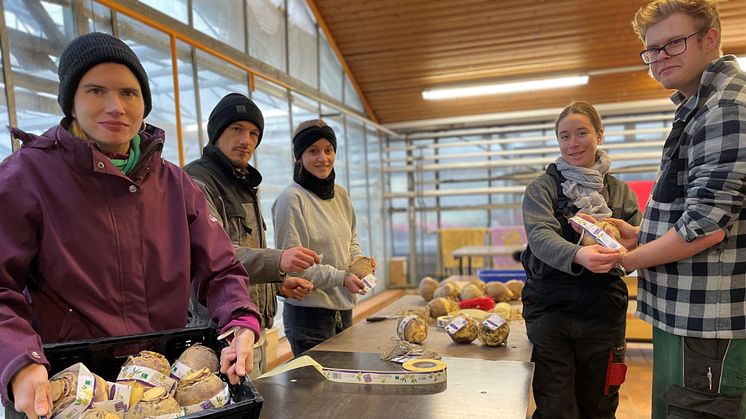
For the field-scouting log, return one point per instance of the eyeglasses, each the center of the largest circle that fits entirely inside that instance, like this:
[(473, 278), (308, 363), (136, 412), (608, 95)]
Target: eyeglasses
[(672, 48)]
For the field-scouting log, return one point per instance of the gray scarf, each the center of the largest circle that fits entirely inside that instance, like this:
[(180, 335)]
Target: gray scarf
[(583, 185)]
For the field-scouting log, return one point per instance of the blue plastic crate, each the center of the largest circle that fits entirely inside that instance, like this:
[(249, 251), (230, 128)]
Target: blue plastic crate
[(502, 275)]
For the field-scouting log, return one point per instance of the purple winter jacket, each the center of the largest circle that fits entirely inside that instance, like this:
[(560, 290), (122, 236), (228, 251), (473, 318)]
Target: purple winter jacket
[(88, 252)]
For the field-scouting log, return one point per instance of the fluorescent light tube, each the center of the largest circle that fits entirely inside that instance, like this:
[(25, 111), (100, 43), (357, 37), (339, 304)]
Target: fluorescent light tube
[(497, 88)]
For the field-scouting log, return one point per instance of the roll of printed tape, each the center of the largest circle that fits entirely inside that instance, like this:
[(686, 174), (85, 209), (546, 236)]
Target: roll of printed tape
[(419, 371), (424, 365)]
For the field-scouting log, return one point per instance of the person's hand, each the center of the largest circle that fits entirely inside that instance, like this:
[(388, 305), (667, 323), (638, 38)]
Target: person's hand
[(596, 258), (237, 360), (298, 259), (31, 392), (587, 217), (296, 288), (627, 232), (354, 284)]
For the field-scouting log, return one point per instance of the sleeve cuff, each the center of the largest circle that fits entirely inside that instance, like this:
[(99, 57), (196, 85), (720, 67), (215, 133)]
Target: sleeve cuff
[(573, 268), (274, 259), (340, 280), (15, 365), (246, 321), (691, 229)]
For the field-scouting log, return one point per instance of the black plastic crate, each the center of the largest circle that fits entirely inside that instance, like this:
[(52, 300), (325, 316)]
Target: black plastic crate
[(105, 357)]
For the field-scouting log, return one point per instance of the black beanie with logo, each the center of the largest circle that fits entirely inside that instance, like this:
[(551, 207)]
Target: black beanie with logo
[(231, 108)]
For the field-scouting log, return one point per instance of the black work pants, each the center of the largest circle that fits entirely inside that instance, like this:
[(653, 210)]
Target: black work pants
[(574, 330), (306, 327)]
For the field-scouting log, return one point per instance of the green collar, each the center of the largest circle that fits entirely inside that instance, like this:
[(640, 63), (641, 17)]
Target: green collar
[(126, 165)]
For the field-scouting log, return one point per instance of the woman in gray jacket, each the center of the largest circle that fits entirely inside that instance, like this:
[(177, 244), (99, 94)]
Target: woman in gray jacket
[(317, 213), (575, 301)]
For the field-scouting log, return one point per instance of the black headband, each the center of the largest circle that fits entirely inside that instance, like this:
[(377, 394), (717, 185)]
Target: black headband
[(308, 136)]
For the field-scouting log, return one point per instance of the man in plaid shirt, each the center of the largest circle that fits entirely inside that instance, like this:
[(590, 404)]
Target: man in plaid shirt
[(691, 255)]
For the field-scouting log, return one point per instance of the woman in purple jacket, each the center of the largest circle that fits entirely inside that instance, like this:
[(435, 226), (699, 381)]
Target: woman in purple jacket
[(99, 235)]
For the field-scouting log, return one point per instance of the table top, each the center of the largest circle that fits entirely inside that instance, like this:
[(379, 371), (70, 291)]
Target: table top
[(482, 381), (474, 389), (378, 337), (475, 251)]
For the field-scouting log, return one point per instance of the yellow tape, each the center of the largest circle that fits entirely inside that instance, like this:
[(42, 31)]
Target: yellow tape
[(419, 371), (424, 365)]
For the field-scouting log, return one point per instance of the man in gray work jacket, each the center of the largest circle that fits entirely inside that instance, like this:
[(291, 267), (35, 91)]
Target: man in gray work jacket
[(235, 129)]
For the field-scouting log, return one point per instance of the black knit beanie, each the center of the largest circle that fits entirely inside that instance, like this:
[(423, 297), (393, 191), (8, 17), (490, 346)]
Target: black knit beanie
[(309, 132), (89, 50), (231, 108)]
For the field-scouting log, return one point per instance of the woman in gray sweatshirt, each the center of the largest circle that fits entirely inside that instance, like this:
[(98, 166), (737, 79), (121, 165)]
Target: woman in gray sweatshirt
[(316, 213), (574, 301)]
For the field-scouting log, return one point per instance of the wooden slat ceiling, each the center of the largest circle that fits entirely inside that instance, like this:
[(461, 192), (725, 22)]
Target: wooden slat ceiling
[(395, 48)]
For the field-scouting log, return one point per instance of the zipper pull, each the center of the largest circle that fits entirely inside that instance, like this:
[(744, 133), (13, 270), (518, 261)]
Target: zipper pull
[(709, 377)]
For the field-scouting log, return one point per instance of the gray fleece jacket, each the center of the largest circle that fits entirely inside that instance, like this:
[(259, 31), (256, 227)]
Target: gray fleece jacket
[(326, 226), (544, 230)]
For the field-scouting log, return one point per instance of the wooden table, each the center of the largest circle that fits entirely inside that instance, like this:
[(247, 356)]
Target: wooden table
[(469, 252), (482, 381)]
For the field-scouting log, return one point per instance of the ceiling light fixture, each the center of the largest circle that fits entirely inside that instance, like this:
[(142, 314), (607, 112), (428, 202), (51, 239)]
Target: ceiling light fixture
[(507, 87)]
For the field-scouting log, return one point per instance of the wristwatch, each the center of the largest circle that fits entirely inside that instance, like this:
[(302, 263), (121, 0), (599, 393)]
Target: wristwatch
[(619, 263)]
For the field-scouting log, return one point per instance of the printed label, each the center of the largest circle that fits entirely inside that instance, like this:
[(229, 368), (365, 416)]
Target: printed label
[(442, 321), (601, 236), (179, 370), (218, 400), (147, 376), (83, 395), (369, 282), (493, 322), (456, 324), (120, 393), (113, 406), (403, 325)]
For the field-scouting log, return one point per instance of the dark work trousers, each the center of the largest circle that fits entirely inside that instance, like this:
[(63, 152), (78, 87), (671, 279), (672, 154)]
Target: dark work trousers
[(575, 329), (696, 378), (10, 413), (306, 327)]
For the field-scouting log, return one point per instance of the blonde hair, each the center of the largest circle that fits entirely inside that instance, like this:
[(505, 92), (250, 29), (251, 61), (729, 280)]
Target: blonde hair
[(704, 12), (77, 131), (580, 108)]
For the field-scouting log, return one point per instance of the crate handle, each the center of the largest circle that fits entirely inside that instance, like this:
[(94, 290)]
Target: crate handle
[(240, 391)]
